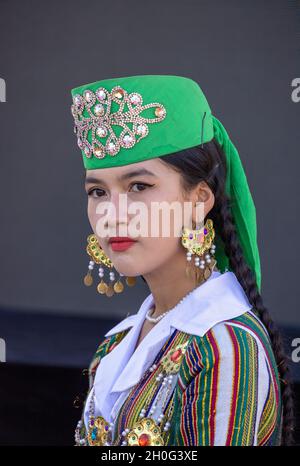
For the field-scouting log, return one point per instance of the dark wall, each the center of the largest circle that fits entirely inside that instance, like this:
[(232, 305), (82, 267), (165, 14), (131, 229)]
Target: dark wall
[(41, 405), (244, 55)]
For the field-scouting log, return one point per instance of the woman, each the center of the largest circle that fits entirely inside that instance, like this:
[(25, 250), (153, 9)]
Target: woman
[(201, 362)]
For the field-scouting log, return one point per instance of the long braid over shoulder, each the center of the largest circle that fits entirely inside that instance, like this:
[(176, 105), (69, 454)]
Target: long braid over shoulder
[(207, 162)]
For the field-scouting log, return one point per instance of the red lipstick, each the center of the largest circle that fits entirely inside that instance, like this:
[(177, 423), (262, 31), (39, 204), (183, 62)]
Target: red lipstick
[(121, 243)]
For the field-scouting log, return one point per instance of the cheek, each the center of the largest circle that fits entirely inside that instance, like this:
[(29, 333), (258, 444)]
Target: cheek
[(154, 253), (165, 222), (158, 250), (91, 212)]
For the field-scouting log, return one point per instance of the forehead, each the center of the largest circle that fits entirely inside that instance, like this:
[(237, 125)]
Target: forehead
[(152, 168)]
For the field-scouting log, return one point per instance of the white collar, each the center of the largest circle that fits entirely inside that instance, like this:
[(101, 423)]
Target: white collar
[(218, 299)]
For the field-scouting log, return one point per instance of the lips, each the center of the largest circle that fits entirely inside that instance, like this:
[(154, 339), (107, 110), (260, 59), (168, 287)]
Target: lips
[(120, 239), (121, 243)]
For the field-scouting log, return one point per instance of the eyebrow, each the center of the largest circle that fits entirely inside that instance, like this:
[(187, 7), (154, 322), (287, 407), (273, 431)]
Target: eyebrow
[(126, 176)]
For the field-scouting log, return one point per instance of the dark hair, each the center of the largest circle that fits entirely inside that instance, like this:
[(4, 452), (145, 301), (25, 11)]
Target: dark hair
[(207, 163)]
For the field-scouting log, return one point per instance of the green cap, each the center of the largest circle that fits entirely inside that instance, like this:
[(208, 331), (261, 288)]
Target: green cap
[(126, 120)]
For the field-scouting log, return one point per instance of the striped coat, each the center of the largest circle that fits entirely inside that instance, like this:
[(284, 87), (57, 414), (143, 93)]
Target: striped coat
[(227, 391)]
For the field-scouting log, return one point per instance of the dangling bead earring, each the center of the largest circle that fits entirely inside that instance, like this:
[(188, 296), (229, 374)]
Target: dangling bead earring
[(199, 241), (100, 258)]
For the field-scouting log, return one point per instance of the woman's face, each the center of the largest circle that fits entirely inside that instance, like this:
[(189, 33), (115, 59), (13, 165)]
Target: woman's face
[(144, 183)]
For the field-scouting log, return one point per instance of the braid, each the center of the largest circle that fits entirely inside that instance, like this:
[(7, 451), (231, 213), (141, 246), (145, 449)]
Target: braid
[(207, 163), (225, 226)]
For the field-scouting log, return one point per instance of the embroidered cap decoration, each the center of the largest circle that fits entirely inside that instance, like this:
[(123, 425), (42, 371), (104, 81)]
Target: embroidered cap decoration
[(101, 120)]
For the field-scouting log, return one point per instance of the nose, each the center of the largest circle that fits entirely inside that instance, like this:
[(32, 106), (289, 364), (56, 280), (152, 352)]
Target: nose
[(117, 214)]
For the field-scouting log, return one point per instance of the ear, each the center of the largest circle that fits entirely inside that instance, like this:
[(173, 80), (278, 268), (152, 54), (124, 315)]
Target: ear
[(203, 201)]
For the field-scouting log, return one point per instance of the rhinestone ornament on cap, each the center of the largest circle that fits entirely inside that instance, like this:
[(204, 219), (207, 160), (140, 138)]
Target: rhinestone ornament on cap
[(92, 112)]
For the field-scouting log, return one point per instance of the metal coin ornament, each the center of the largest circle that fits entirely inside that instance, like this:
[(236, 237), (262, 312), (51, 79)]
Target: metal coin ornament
[(130, 281), (199, 242), (145, 433), (98, 257), (98, 433)]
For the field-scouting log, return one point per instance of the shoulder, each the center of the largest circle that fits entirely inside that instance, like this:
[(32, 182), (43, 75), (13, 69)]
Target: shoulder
[(234, 344), (228, 386), (106, 345), (245, 330)]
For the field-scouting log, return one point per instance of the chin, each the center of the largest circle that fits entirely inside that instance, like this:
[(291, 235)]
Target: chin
[(127, 267), (128, 272)]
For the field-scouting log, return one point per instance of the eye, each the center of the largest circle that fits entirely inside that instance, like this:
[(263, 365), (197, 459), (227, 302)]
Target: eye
[(98, 192), (142, 185)]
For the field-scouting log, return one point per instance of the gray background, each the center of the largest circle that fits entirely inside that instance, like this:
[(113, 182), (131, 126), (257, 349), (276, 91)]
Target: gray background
[(244, 55)]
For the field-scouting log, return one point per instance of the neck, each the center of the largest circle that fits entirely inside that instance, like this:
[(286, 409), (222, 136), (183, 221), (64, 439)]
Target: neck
[(169, 284)]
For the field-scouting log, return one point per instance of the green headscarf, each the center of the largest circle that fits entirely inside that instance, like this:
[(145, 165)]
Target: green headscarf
[(242, 205), (126, 120)]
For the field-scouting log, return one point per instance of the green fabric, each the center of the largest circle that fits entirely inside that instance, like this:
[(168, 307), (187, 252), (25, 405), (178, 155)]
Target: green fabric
[(188, 122), (185, 104), (242, 205)]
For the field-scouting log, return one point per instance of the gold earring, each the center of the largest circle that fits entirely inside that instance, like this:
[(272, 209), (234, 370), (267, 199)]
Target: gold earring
[(98, 256), (199, 241)]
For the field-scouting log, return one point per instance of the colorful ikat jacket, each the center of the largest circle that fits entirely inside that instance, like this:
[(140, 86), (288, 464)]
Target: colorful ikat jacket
[(227, 390)]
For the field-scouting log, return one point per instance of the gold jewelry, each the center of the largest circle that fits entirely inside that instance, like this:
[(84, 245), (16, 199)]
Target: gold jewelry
[(198, 241), (99, 257)]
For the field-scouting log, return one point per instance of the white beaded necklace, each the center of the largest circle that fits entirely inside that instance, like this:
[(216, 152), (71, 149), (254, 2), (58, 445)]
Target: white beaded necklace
[(157, 319)]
